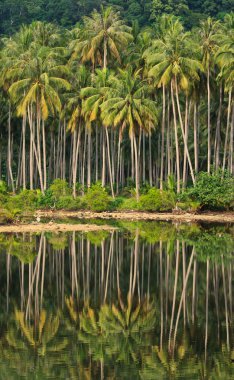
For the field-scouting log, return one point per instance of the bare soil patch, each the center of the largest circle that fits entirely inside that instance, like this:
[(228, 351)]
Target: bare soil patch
[(53, 227), (219, 217)]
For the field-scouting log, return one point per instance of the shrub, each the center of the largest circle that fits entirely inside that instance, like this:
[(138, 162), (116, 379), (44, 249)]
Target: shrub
[(26, 200), (3, 187), (190, 206), (97, 199), (129, 204), (47, 200), (59, 188), (5, 216), (156, 200), (67, 202), (213, 191)]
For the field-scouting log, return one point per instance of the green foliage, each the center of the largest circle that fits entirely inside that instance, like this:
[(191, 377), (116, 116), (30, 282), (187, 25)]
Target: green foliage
[(59, 188), (129, 204), (5, 216), (67, 202), (26, 200), (3, 187), (97, 199), (156, 200), (213, 191), (47, 200)]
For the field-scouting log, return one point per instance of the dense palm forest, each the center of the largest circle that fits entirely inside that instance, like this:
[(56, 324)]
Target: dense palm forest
[(117, 104)]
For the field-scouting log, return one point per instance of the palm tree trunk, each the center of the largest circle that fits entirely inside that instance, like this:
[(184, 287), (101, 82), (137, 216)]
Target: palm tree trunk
[(109, 163), (163, 138), (44, 154), (195, 137), (30, 118), (183, 134), (227, 128), (9, 157), (136, 166), (208, 122), (176, 140)]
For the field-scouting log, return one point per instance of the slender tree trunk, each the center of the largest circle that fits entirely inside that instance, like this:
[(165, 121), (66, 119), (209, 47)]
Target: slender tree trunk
[(44, 154), (136, 167), (163, 138), (227, 128), (195, 137), (109, 163), (9, 156), (176, 140), (183, 134), (208, 122)]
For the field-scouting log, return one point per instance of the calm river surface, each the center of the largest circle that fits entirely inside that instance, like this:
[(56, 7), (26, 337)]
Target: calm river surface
[(146, 301)]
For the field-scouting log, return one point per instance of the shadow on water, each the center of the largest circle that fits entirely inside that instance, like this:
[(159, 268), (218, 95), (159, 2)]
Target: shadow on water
[(148, 300)]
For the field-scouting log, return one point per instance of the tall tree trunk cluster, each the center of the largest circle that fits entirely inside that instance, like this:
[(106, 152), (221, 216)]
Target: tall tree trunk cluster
[(34, 152)]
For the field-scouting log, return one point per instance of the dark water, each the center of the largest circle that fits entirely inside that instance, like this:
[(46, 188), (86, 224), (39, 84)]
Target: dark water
[(148, 301)]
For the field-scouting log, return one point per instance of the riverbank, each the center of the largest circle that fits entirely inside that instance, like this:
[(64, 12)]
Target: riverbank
[(218, 217), (54, 227)]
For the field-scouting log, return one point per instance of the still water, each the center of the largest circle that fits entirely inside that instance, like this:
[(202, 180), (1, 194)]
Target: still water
[(146, 301)]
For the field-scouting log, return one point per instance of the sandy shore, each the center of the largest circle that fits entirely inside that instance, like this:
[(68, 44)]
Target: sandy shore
[(225, 217), (210, 217), (53, 227)]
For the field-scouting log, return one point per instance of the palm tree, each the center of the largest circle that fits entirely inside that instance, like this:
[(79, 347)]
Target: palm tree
[(208, 30), (129, 105), (36, 91), (170, 64), (94, 96), (103, 34)]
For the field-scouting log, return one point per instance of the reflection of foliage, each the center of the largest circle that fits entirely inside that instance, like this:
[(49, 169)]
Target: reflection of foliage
[(32, 349), (40, 337), (19, 246), (58, 241), (182, 363), (97, 237)]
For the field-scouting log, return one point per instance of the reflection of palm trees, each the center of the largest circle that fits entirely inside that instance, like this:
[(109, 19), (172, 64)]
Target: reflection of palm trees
[(30, 348), (164, 365), (41, 337)]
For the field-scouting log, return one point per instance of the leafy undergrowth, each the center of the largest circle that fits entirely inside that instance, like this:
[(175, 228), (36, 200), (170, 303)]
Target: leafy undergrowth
[(211, 192)]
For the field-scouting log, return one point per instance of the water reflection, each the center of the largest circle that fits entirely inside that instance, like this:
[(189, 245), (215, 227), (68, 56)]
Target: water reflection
[(148, 301)]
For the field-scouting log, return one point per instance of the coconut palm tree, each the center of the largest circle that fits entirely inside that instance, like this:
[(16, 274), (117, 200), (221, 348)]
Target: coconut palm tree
[(36, 88), (129, 105), (171, 65), (103, 35), (208, 30), (94, 96)]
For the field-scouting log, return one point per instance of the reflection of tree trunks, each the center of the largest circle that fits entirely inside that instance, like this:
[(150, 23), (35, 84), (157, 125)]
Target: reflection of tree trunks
[(108, 265), (226, 307), (34, 274), (194, 290), (207, 306), (182, 296), (175, 290), (216, 296), (161, 293)]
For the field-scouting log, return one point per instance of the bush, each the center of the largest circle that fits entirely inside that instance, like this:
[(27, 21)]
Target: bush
[(24, 201), (213, 191), (5, 216), (68, 203), (59, 188), (129, 204), (156, 200), (97, 199), (189, 206), (3, 187)]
